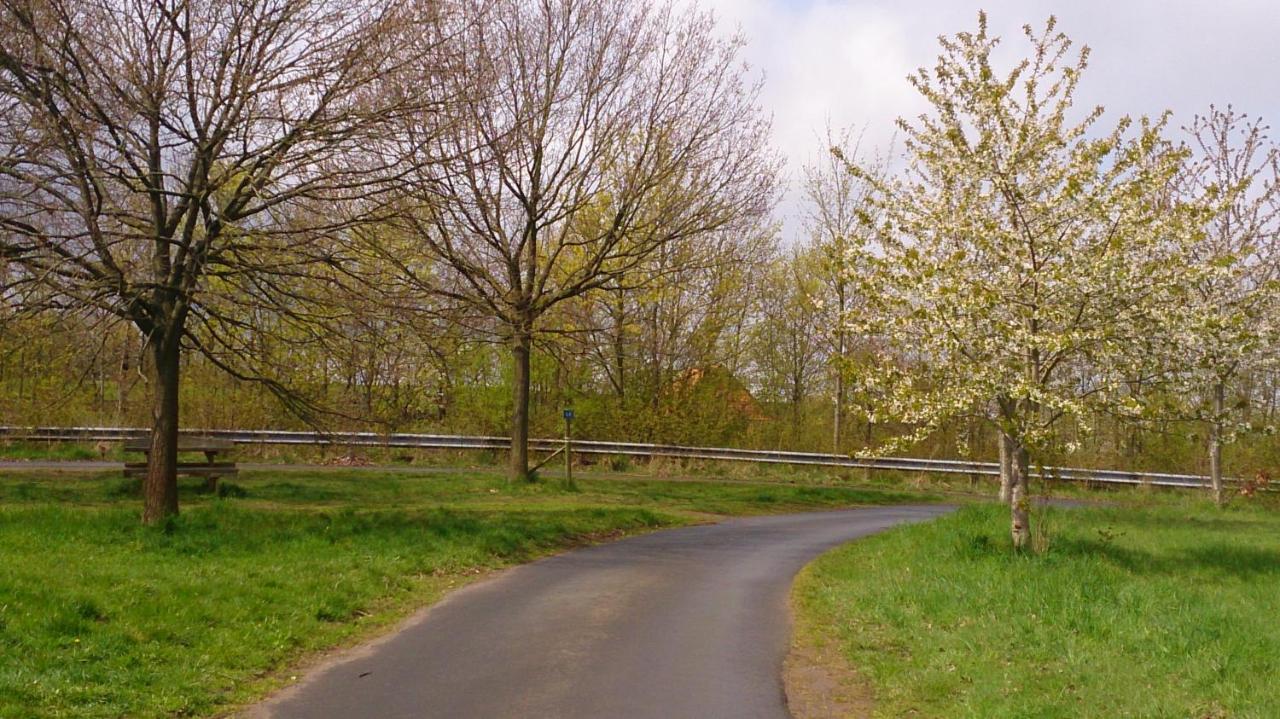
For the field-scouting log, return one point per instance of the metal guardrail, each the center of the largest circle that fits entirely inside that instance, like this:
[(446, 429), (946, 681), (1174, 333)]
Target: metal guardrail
[(632, 449)]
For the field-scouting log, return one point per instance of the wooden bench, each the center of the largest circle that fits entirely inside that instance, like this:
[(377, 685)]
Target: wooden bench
[(211, 469)]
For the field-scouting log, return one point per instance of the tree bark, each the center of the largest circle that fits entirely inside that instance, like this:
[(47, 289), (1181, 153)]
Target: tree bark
[(1215, 443), (1006, 467), (160, 486), (521, 347), (1019, 496)]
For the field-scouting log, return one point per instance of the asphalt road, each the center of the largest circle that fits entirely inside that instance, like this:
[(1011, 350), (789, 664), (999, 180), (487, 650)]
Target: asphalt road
[(688, 623)]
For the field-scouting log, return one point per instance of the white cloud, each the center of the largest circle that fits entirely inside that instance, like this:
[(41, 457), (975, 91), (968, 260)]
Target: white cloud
[(845, 62)]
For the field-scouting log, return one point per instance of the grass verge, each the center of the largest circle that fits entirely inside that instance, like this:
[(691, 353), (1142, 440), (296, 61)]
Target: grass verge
[(1161, 611), (100, 617)]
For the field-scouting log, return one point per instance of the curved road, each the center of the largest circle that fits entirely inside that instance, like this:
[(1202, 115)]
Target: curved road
[(687, 623)]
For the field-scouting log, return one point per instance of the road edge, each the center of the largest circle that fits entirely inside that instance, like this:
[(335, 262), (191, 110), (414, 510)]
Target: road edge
[(818, 681)]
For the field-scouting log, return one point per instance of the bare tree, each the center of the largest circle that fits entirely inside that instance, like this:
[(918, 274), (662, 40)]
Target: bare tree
[(597, 132), (160, 158)]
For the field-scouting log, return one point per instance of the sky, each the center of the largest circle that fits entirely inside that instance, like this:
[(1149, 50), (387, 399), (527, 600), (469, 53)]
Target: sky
[(844, 62)]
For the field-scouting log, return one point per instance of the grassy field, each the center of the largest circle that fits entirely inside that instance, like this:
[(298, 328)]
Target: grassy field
[(100, 617), (1167, 610)]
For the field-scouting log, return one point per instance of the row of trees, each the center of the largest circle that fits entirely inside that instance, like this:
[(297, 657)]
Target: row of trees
[(230, 174), (424, 214)]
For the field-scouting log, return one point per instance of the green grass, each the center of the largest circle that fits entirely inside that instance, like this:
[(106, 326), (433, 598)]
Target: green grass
[(52, 451), (1158, 611), (100, 617)]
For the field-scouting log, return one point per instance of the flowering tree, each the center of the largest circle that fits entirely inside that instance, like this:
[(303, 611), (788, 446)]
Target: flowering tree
[(1023, 264), (1232, 330)]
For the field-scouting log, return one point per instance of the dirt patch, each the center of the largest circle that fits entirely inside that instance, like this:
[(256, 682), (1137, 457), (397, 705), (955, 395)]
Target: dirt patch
[(819, 682)]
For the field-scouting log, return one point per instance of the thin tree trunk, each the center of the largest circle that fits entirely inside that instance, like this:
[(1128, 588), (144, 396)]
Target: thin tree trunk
[(797, 399), (619, 349), (842, 343), (520, 350), (839, 415), (1019, 495), (971, 440), (869, 435), (1215, 443), (160, 486), (22, 379), (1006, 467), (122, 380)]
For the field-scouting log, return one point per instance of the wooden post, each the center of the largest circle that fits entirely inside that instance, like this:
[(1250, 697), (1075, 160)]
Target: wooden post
[(568, 449)]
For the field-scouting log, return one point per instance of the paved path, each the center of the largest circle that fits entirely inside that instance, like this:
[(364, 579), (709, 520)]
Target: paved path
[(687, 623)]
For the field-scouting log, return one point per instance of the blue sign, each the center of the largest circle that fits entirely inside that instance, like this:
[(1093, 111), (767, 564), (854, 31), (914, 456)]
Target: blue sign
[(568, 415)]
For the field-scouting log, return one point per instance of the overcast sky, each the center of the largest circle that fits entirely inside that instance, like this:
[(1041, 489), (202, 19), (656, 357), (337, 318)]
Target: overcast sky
[(846, 61)]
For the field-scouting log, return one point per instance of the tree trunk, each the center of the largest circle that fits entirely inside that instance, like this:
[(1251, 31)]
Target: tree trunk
[(797, 400), (22, 379), (868, 436), (520, 350), (122, 381), (839, 415), (841, 301), (1006, 467), (1215, 443), (620, 349), (1019, 496), (160, 486), (835, 432)]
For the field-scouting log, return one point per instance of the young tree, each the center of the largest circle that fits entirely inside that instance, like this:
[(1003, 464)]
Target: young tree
[(787, 338), (1233, 331), (596, 132), (158, 159), (837, 200), (1025, 262)]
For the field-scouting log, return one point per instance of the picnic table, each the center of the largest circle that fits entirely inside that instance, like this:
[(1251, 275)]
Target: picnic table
[(211, 469)]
